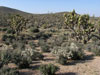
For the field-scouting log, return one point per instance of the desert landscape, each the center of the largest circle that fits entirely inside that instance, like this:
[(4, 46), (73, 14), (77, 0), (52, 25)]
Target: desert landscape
[(59, 43)]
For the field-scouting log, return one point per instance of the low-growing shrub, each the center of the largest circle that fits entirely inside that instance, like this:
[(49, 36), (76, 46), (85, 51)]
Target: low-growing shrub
[(8, 71), (43, 35), (1, 64), (10, 31), (45, 48), (5, 56), (94, 47), (71, 51), (32, 45), (96, 50), (21, 60), (48, 69), (4, 29), (8, 38), (62, 60), (34, 29), (37, 55), (18, 45)]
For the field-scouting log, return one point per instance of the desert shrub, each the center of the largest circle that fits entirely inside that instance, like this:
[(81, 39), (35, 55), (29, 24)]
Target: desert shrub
[(18, 45), (33, 54), (43, 35), (32, 45), (10, 31), (37, 55), (5, 56), (44, 46), (46, 35), (94, 47), (8, 71), (4, 37), (71, 51), (62, 60), (48, 69), (21, 60), (4, 29), (96, 50), (1, 64), (34, 29), (56, 40), (8, 38)]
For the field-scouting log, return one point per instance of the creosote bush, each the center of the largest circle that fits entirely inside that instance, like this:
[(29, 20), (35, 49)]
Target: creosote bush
[(48, 69)]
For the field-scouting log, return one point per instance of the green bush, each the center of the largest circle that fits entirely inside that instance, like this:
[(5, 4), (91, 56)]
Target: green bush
[(62, 60), (96, 50), (4, 37), (94, 47), (10, 31), (5, 56), (49, 69), (45, 48), (72, 51), (43, 35), (23, 61), (8, 71), (8, 38), (1, 64), (32, 45), (37, 56), (18, 45), (34, 29), (23, 58), (4, 29), (33, 54)]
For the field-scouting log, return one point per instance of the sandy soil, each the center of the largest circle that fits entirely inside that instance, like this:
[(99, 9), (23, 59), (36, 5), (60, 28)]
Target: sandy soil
[(88, 66)]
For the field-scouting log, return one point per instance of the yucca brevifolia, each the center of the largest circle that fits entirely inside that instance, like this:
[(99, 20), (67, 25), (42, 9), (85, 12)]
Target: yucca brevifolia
[(98, 28), (18, 23), (71, 20), (85, 27), (79, 24)]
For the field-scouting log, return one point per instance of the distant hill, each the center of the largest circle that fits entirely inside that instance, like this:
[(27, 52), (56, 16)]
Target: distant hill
[(7, 10), (49, 19)]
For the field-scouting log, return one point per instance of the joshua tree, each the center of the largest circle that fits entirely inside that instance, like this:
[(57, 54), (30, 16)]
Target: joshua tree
[(80, 25), (18, 23)]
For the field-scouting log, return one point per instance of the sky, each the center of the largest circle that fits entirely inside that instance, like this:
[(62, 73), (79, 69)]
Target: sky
[(91, 7)]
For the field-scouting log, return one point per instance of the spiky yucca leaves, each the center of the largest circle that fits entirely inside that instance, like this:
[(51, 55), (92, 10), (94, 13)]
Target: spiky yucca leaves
[(5, 56), (17, 23), (80, 25), (48, 69)]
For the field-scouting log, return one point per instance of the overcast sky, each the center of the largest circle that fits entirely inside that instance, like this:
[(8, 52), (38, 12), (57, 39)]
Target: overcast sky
[(91, 7)]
